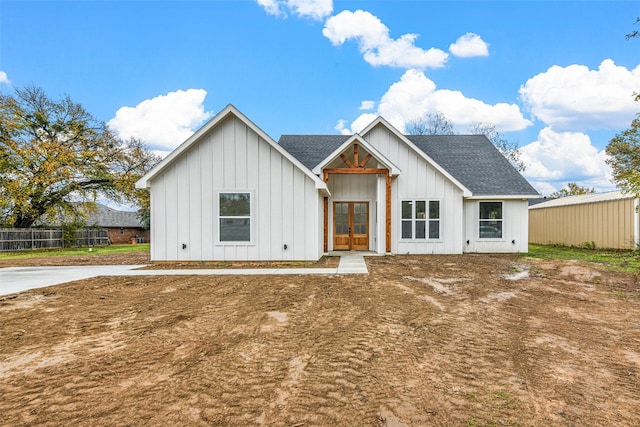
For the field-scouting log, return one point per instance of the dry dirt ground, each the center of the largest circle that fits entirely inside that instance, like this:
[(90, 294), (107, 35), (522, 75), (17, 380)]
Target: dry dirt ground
[(466, 340)]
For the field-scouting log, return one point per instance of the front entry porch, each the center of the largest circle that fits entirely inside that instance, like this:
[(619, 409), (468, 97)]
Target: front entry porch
[(357, 215)]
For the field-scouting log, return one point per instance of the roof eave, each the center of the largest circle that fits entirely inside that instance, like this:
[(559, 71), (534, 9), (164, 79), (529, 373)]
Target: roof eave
[(503, 196)]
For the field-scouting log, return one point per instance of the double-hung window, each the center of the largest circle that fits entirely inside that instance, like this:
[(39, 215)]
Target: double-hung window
[(420, 219), (490, 220), (235, 216)]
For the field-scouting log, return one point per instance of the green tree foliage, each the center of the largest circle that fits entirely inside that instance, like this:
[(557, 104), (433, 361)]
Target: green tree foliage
[(572, 189), (53, 154), (624, 158)]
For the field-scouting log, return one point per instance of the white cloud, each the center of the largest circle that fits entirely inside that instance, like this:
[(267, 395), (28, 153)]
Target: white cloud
[(464, 112), (360, 123), (560, 157), (469, 45), (416, 95), (272, 7), (341, 128), (165, 121), (577, 98), (544, 188), (376, 45), (315, 9), (4, 79), (367, 105)]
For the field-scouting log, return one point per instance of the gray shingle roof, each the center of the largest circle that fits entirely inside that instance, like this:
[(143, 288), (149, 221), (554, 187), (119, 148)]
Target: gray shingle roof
[(105, 216), (475, 162), (311, 149), (102, 216), (471, 159)]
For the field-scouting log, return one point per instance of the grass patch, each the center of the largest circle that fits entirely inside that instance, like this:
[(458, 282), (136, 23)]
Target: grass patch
[(95, 250), (621, 260), (628, 296)]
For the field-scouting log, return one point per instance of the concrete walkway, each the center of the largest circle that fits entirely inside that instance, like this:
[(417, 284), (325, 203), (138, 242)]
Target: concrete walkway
[(18, 279)]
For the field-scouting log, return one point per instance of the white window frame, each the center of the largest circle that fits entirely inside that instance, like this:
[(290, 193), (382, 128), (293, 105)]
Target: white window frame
[(426, 220), (250, 217), (484, 220)]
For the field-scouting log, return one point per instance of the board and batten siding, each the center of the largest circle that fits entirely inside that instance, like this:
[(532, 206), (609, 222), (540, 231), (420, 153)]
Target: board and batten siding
[(608, 224), (418, 180), (232, 157), (514, 227)]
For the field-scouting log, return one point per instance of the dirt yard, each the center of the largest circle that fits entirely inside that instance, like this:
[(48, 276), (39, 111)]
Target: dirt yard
[(467, 340)]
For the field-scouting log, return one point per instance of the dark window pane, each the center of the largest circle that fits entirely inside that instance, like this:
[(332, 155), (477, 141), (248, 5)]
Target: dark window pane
[(490, 229), (420, 229), (407, 233), (434, 229), (490, 210), (235, 204), (421, 209), (235, 230), (434, 209), (406, 210)]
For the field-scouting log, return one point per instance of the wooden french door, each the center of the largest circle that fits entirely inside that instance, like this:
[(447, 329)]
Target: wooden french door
[(350, 226)]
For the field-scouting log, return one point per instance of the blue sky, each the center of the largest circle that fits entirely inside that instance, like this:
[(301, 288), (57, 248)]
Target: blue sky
[(555, 76)]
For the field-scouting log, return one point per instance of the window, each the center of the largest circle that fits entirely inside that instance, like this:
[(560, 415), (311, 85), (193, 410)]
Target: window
[(234, 213), (490, 220), (420, 218)]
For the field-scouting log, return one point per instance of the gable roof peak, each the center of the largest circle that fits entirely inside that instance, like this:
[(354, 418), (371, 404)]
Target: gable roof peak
[(230, 109), (350, 141)]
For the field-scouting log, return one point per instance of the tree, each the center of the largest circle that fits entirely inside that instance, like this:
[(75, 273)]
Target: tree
[(53, 154), (624, 158), (508, 149), (438, 124), (634, 33), (572, 189), (430, 124), (630, 36), (624, 150)]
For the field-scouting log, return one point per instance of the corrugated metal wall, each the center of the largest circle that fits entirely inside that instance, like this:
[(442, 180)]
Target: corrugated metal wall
[(607, 224)]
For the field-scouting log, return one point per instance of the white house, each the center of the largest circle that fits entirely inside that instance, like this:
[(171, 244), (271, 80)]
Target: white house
[(230, 192)]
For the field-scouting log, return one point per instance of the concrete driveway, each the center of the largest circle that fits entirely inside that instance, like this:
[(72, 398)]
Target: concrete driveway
[(18, 279)]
